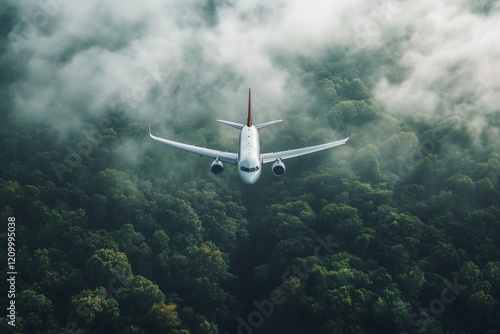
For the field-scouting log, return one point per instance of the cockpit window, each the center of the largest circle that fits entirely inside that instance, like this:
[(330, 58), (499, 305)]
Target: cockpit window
[(249, 170)]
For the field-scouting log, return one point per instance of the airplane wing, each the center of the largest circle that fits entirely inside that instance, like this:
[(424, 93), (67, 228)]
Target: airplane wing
[(271, 157), (231, 158)]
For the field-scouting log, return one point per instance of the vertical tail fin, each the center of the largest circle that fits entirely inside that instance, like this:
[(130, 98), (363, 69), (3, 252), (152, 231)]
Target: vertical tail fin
[(249, 119)]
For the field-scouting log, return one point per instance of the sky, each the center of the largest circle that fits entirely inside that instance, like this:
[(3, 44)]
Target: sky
[(173, 63)]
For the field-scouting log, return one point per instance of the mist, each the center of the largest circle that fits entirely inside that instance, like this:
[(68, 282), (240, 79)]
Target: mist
[(180, 66)]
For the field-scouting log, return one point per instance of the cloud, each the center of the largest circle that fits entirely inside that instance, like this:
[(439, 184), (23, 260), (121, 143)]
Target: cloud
[(103, 50), (452, 59), (84, 58)]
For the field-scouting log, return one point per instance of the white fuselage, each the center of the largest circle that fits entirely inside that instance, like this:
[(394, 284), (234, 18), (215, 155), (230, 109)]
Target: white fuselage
[(249, 162)]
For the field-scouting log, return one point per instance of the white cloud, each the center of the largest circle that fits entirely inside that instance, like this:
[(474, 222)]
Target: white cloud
[(448, 57), (103, 49), (100, 51)]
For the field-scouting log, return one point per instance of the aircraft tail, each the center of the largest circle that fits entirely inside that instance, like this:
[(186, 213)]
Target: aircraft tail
[(249, 118)]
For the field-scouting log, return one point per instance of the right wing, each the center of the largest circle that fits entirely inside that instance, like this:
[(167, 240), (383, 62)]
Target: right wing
[(270, 157), (231, 158)]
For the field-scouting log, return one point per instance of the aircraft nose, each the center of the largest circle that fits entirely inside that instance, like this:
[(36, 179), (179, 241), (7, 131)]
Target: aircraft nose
[(249, 178)]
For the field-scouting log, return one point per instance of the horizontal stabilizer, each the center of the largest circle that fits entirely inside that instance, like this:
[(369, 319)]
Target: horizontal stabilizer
[(234, 125), (263, 125)]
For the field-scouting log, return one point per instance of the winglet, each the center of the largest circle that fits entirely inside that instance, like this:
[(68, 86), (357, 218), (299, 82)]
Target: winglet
[(150, 131), (349, 134), (249, 119)]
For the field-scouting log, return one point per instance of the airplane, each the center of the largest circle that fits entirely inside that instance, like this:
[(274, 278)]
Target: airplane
[(249, 159)]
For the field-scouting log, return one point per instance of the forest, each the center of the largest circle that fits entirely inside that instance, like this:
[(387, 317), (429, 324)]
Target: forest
[(398, 231)]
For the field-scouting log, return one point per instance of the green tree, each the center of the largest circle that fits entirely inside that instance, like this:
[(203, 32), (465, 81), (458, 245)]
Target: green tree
[(366, 164), (208, 297), (133, 244), (159, 241), (107, 266), (352, 112), (35, 310), (491, 272), (163, 317), (341, 220), (207, 327), (207, 261), (96, 309), (481, 303), (138, 295)]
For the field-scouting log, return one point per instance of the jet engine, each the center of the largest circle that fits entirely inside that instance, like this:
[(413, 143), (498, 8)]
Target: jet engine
[(217, 167), (279, 168)]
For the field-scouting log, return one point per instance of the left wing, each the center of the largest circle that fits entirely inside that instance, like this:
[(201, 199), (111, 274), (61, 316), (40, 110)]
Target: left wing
[(231, 158), (270, 157)]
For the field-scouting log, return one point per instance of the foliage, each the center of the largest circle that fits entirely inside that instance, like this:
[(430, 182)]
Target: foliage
[(371, 241)]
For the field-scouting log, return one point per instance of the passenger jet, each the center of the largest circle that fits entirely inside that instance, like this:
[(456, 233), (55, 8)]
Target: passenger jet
[(249, 159)]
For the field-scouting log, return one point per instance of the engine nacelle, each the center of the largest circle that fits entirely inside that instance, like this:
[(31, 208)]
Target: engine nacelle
[(217, 167), (279, 168)]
